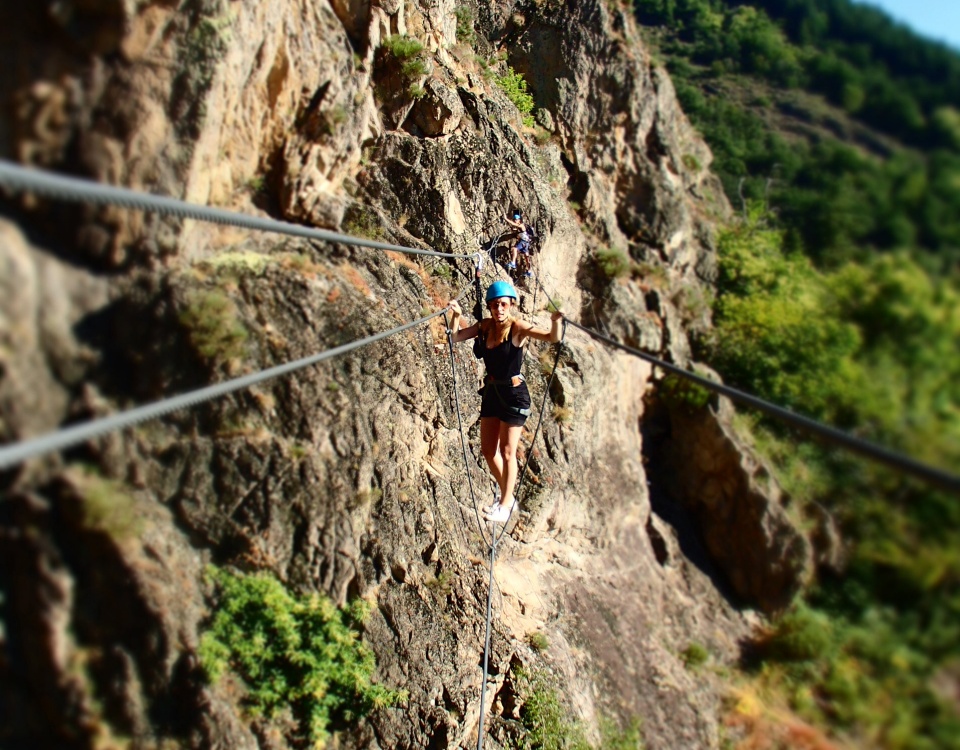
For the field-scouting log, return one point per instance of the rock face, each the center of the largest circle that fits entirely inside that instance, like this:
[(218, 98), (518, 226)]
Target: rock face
[(740, 509), (347, 478)]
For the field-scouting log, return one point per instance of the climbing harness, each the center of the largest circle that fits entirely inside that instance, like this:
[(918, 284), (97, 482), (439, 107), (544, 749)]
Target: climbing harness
[(495, 384), (512, 382)]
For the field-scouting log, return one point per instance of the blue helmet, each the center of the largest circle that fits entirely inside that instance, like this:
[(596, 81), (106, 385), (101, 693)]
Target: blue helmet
[(501, 289)]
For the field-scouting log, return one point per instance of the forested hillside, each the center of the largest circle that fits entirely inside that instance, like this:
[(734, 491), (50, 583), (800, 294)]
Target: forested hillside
[(836, 133)]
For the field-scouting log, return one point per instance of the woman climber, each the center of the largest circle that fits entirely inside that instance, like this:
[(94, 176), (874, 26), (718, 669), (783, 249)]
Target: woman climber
[(523, 241), (506, 401)]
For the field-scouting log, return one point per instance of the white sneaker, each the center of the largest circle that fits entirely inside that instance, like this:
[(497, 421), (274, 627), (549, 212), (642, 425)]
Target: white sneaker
[(488, 509), (501, 514)]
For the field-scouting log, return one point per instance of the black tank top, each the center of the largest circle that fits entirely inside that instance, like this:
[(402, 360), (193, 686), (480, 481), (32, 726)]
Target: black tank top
[(502, 361)]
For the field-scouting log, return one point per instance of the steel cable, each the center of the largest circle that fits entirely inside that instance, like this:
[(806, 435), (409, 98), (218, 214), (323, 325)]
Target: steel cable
[(69, 436), (20, 179), (937, 477)]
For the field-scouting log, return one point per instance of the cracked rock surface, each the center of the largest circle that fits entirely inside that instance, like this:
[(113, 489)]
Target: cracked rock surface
[(642, 530)]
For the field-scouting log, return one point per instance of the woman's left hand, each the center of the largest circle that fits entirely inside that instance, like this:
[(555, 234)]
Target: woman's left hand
[(554, 317)]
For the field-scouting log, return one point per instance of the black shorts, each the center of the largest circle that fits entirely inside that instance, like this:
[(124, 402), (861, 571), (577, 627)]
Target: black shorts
[(497, 399)]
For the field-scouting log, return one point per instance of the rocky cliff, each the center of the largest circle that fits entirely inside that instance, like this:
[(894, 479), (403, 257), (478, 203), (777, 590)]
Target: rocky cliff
[(646, 527)]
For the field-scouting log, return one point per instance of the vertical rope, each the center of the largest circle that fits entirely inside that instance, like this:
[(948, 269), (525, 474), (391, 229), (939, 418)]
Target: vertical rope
[(486, 647), (463, 439), (494, 541)]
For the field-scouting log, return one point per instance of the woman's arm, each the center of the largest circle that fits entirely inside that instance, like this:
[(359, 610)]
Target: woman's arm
[(460, 334), (541, 334), (465, 334)]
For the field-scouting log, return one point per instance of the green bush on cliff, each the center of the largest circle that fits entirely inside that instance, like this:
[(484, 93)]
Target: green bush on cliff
[(546, 720), (403, 47), (410, 57), (514, 85), (548, 725), (301, 653), (465, 20), (613, 262), (108, 505)]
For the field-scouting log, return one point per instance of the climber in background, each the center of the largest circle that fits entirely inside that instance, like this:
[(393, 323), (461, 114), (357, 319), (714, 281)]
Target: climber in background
[(505, 405), (524, 241)]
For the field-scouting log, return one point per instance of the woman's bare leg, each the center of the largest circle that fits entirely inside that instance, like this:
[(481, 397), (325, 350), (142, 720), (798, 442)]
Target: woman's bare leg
[(490, 447), (509, 439)]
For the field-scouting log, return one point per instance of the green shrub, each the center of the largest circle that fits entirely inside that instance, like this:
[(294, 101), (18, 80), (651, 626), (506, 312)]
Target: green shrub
[(402, 47), (363, 222), (613, 737), (548, 725), (441, 584), (562, 415), (414, 68), (777, 331), (545, 719), (652, 274), (234, 265), (691, 162), (803, 634), (485, 70), (514, 85), (410, 56), (213, 327), (465, 18), (365, 497), (538, 641), (301, 653), (693, 302), (332, 118), (542, 136), (613, 262)]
